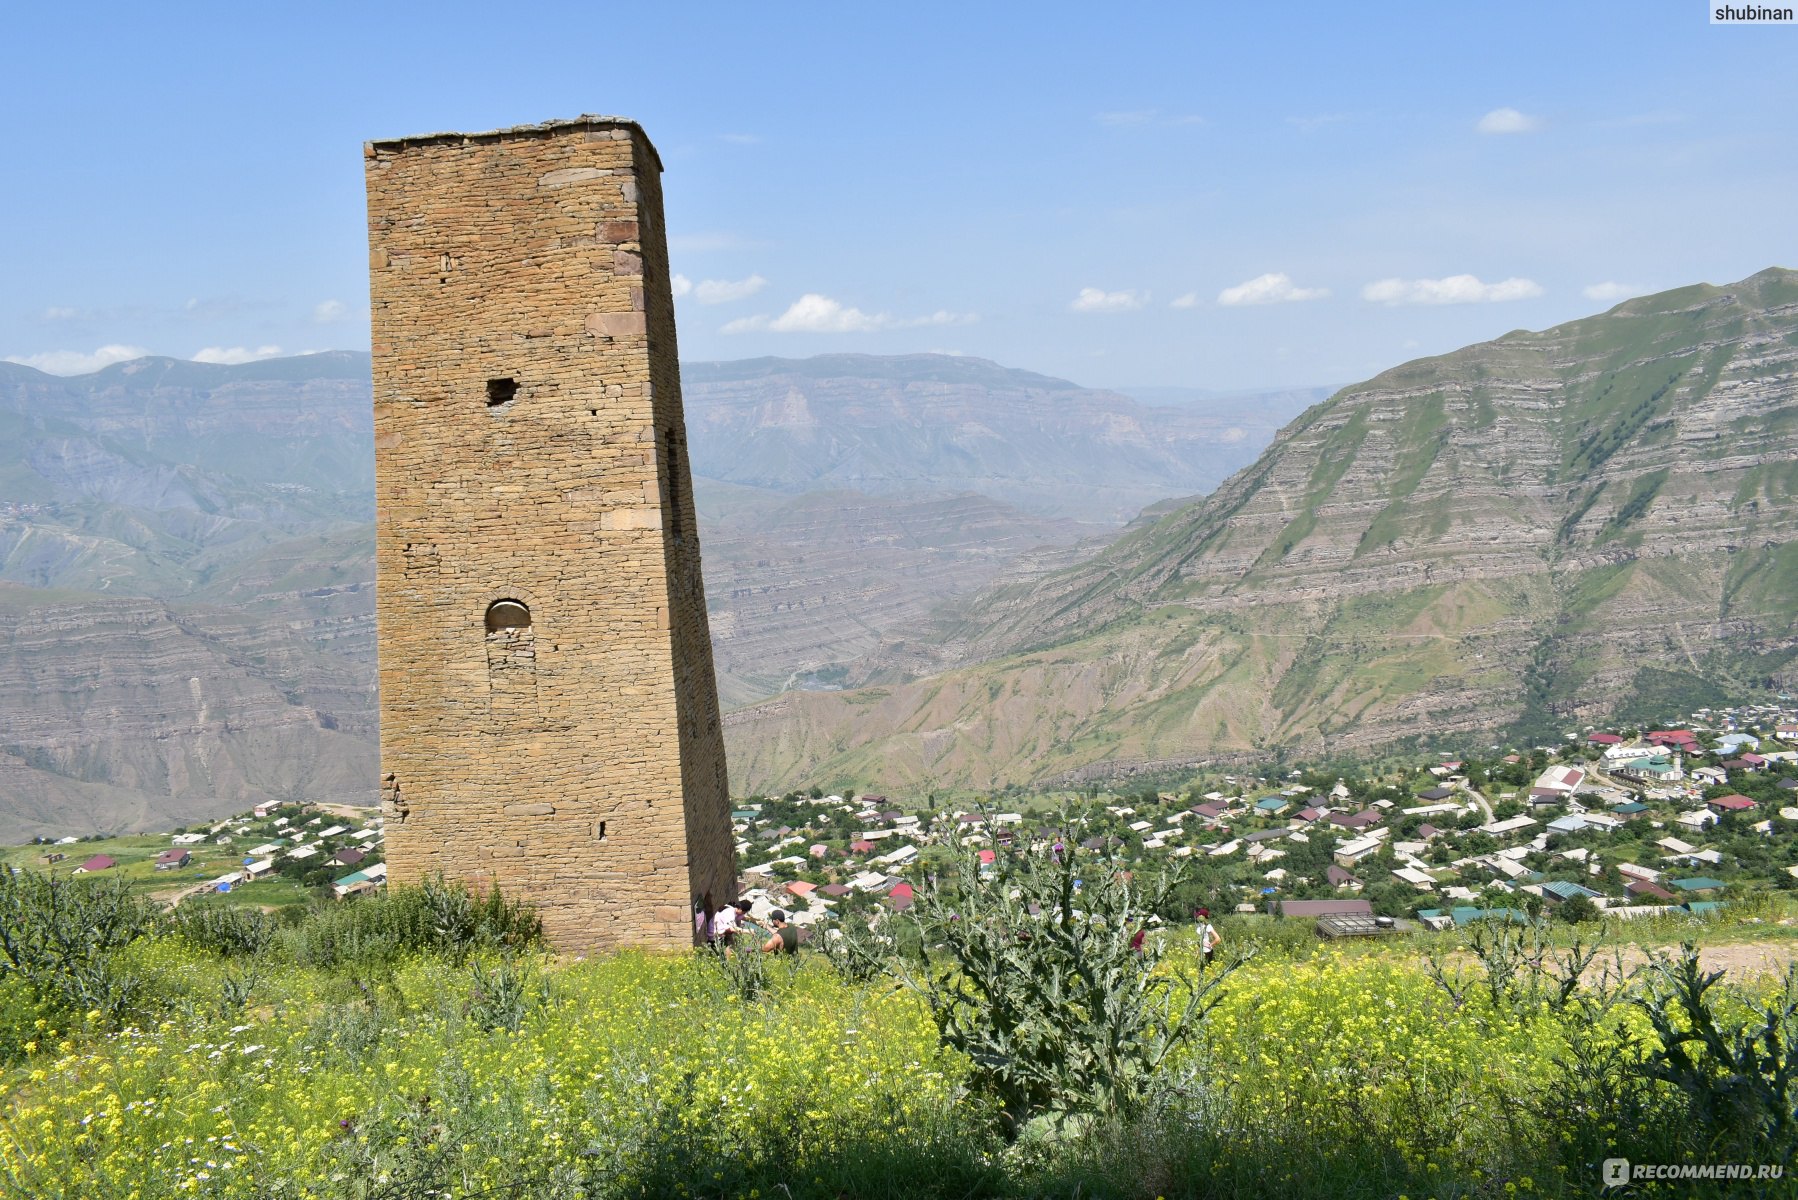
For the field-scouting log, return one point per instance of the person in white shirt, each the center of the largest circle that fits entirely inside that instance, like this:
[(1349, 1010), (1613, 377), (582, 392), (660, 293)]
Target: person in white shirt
[(1209, 938), (727, 922)]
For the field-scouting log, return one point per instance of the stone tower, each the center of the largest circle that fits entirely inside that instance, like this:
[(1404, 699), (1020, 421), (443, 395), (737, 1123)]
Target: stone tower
[(549, 715)]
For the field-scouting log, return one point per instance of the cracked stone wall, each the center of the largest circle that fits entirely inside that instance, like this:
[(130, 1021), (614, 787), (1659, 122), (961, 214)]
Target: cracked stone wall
[(549, 715)]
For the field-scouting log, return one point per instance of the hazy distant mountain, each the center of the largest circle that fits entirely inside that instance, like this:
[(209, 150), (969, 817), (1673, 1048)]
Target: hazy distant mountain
[(1525, 534), (186, 578), (944, 424)]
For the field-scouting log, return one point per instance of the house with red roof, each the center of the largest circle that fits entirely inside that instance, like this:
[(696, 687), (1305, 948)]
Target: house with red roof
[(1647, 888), (1604, 739), (99, 862), (172, 860), (1731, 804)]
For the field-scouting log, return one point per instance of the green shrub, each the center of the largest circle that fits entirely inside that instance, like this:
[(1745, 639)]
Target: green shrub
[(60, 936), (436, 916), (228, 930)]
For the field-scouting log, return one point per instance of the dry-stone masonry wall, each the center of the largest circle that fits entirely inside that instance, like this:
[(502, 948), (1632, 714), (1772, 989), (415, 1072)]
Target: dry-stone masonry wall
[(549, 716)]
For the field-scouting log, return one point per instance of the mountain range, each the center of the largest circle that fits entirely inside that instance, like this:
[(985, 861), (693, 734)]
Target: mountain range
[(922, 556), (1549, 528)]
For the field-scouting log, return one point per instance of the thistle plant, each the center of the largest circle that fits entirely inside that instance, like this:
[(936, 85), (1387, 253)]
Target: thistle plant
[(1036, 971), (1739, 1076), (61, 937)]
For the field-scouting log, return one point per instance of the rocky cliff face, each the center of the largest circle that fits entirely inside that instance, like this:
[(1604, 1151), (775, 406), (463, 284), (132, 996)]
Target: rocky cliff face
[(1523, 534), (186, 586)]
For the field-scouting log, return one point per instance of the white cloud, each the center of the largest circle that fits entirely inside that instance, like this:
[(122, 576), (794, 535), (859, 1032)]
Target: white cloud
[(329, 312), (680, 285), (1455, 289), (233, 355), (723, 291), (1185, 300), (1276, 287), (1612, 292), (57, 312), (1508, 120), (76, 362), (1092, 299), (816, 313)]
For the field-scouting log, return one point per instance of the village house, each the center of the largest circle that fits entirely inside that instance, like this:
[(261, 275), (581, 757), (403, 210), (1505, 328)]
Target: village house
[(1350, 853), (99, 862), (1419, 879), (1731, 804), (173, 860)]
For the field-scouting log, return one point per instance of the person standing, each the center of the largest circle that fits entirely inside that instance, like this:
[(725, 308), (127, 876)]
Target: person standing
[(1209, 938), (785, 938), (705, 919)]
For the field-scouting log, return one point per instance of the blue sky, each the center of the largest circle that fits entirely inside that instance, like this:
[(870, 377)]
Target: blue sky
[(1207, 196)]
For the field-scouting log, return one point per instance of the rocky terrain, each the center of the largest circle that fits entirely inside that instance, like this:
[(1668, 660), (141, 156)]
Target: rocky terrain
[(1518, 536), (186, 583), (186, 550)]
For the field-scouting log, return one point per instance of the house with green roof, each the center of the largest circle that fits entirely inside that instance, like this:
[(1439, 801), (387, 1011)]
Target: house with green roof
[(1559, 889)]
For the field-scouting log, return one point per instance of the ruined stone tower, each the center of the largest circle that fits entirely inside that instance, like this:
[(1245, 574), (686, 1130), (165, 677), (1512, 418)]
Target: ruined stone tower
[(549, 715)]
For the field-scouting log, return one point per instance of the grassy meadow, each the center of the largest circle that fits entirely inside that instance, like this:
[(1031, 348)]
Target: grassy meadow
[(341, 1056)]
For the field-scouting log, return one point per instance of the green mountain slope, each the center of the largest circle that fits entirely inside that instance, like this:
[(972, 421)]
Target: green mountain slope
[(1543, 529)]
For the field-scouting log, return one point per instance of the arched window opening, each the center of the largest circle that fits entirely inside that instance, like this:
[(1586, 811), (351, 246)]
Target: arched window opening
[(507, 614), (511, 663)]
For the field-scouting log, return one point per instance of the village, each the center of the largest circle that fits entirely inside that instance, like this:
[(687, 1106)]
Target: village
[(1614, 824), (275, 855)]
